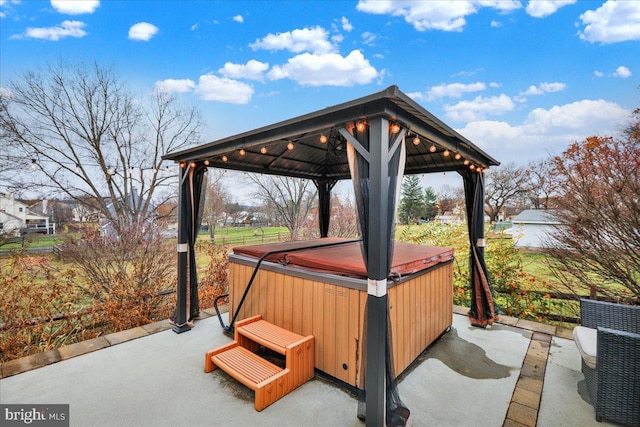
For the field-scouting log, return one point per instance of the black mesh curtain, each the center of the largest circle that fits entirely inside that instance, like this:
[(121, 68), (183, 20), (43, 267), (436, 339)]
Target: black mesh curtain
[(368, 203), (190, 205), (324, 187), (482, 311), (196, 198)]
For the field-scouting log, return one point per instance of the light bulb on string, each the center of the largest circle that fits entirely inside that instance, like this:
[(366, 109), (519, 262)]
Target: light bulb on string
[(395, 128), (458, 156), (433, 148), (207, 162), (360, 126), (446, 153), (416, 140), (290, 146), (225, 158), (242, 152), (323, 139), (263, 150), (466, 162)]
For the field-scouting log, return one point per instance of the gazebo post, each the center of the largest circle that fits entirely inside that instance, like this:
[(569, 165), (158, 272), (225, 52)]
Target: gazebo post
[(182, 248), (377, 268)]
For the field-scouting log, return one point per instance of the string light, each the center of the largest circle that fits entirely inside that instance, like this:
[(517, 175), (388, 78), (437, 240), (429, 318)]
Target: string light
[(360, 126), (323, 139), (193, 165), (466, 162), (207, 162), (242, 152), (457, 156), (446, 153), (416, 140), (183, 164), (290, 146), (472, 166), (225, 158), (263, 150), (433, 148), (395, 128)]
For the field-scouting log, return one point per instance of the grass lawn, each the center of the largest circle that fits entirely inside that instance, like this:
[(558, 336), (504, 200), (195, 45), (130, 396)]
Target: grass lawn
[(33, 241)]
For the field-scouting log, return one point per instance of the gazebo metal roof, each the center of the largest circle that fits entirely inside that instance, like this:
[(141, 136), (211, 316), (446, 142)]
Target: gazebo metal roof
[(267, 150)]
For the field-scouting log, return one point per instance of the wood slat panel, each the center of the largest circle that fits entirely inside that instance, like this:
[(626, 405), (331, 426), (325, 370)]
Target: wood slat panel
[(420, 310)]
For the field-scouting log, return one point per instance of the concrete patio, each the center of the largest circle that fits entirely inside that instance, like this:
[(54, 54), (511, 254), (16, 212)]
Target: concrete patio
[(514, 373)]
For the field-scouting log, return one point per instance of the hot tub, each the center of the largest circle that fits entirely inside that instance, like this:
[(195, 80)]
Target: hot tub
[(322, 292)]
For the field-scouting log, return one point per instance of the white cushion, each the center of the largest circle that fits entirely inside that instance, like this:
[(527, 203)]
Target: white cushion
[(586, 340)]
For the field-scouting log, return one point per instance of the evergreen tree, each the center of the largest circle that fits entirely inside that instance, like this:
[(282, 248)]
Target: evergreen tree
[(430, 203), (412, 200)]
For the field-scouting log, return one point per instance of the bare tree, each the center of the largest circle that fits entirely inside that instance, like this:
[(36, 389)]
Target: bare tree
[(291, 198), (542, 186), (504, 185), (216, 200), (448, 198), (344, 219), (598, 245), (91, 140)]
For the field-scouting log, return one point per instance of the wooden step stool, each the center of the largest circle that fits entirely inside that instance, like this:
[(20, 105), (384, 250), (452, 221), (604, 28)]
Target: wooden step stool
[(270, 382)]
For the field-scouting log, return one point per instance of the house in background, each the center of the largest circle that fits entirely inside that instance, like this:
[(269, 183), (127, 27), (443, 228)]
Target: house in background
[(16, 218), (533, 228)]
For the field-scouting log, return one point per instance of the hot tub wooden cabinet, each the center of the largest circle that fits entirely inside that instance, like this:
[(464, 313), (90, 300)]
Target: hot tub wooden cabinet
[(331, 306)]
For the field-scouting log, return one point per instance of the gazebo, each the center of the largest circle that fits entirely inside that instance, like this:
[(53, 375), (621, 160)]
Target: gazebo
[(372, 140)]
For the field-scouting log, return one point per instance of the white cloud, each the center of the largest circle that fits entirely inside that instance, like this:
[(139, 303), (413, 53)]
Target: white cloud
[(454, 90), (543, 88), (75, 7), (6, 93), (5, 7), (330, 69), (614, 21), (434, 15), (65, 29), (494, 84), (195, 26), (175, 86), (213, 88), (238, 18), (252, 70), (544, 8), (368, 38), (479, 108), (496, 24), (546, 132), (209, 88), (622, 72), (313, 40), (142, 31), (346, 25)]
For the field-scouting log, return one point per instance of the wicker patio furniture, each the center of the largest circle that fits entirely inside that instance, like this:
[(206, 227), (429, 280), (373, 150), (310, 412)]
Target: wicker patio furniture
[(609, 343)]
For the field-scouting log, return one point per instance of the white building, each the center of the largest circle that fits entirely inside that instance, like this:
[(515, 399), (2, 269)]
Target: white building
[(15, 217), (533, 228)]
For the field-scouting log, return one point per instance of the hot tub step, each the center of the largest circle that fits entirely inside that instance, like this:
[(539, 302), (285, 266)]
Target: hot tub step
[(269, 381)]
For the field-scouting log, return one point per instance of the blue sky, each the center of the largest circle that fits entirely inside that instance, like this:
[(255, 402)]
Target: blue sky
[(520, 79)]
